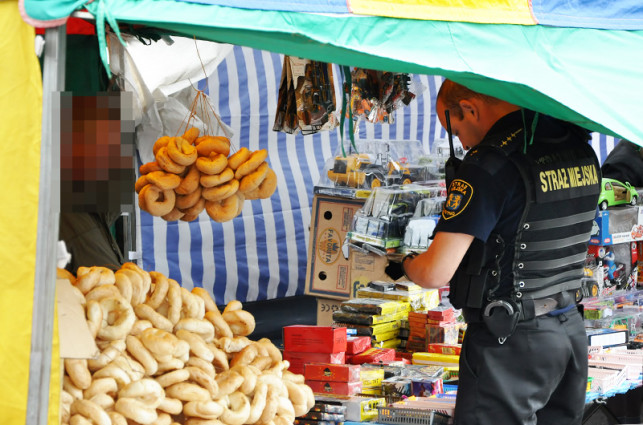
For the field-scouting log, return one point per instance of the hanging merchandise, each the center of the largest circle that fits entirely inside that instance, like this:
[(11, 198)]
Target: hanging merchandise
[(376, 94), (306, 100), (192, 173)]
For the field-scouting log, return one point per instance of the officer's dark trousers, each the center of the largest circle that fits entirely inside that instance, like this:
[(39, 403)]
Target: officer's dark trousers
[(538, 376)]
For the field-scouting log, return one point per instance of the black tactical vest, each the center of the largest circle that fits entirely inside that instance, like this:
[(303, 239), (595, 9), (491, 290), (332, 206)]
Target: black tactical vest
[(562, 183)]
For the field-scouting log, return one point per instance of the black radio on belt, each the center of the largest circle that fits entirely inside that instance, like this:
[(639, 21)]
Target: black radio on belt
[(453, 163)]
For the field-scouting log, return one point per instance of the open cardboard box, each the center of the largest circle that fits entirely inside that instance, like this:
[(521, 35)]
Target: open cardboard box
[(76, 342)]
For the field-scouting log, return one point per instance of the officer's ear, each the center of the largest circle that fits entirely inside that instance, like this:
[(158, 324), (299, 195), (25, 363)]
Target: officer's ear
[(470, 109)]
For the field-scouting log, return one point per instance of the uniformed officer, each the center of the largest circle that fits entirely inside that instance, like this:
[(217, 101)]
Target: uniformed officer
[(511, 242)]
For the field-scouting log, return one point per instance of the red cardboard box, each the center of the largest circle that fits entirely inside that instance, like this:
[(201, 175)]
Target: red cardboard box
[(332, 372), (298, 359), (357, 344), (444, 348), (374, 355), (314, 339), (342, 388)]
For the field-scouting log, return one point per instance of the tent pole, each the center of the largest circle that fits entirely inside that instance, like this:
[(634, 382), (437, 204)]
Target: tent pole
[(53, 82)]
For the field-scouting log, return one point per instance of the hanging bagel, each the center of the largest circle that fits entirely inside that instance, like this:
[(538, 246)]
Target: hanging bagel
[(181, 151), (173, 215), (265, 189), (217, 179), (163, 180), (212, 164), (189, 182), (238, 158), (156, 201), (205, 145), (166, 163), (191, 134), (195, 209), (224, 210), (161, 142), (255, 160), (183, 202), (141, 182), (254, 179), (220, 192)]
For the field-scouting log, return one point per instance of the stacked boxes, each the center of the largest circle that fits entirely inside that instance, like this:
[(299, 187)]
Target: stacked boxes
[(313, 344), (436, 326), (324, 413), (341, 379)]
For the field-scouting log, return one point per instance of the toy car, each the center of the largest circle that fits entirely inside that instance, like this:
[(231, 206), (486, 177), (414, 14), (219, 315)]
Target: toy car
[(615, 192)]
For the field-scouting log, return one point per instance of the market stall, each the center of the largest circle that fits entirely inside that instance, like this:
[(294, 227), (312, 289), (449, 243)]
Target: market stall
[(544, 98)]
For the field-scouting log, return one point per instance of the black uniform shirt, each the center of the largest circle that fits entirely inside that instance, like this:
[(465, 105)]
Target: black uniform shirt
[(487, 195)]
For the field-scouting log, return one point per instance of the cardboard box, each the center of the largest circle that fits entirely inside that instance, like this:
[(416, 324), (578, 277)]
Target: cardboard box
[(76, 341), (357, 344), (328, 270), (332, 372), (361, 409), (314, 339), (373, 355), (365, 268), (618, 225), (325, 309), (327, 387), (298, 360)]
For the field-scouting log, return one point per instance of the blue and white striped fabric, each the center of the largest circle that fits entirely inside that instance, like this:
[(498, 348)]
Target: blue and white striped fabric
[(262, 254)]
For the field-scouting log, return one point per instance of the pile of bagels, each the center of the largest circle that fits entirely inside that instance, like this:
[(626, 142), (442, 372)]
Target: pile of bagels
[(191, 174), (168, 356)]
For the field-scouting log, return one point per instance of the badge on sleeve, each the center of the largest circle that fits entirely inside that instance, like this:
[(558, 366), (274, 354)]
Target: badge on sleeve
[(460, 193)]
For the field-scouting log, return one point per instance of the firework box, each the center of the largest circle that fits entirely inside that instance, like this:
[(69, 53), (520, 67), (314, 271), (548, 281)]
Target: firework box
[(373, 355), (332, 372), (329, 387), (357, 344), (298, 360), (314, 339)]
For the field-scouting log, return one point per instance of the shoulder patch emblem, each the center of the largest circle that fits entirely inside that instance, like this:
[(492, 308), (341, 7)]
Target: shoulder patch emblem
[(460, 193)]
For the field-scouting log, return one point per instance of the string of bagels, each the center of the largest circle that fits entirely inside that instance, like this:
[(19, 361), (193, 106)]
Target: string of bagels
[(169, 356)]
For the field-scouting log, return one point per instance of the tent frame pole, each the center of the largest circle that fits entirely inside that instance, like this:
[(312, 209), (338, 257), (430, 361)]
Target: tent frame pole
[(53, 83)]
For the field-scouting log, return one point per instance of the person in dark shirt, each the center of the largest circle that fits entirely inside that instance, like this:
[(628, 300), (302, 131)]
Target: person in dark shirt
[(625, 163)]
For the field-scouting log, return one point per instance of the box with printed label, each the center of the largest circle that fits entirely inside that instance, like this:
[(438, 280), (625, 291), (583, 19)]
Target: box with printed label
[(357, 344), (618, 225), (329, 387), (328, 269), (314, 339), (332, 372), (361, 409), (298, 360), (325, 309), (373, 355)]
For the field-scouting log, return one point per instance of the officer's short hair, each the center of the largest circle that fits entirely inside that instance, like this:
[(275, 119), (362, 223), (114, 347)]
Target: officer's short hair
[(452, 93)]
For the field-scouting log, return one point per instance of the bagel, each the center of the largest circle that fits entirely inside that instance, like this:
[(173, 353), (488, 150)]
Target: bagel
[(136, 410), (236, 410), (221, 327), (197, 344), (145, 312), (189, 182), (181, 151), (201, 327), (242, 199), (170, 405), (205, 145), (155, 201), (254, 179), (253, 162), (217, 179), (170, 365), (173, 377), (161, 286), (109, 353), (272, 404), (183, 202), (122, 322), (182, 351), (195, 209), (249, 378), (203, 409), (174, 301), (258, 403), (79, 420), (285, 411), (141, 354), (103, 401), (141, 182), (65, 274), (273, 352), (161, 142), (72, 389), (87, 278), (190, 217), (101, 386), (191, 134), (166, 163), (242, 323), (186, 391), (149, 167), (174, 215), (130, 366), (265, 189), (147, 391), (293, 377), (203, 379), (205, 296), (233, 344), (204, 365), (220, 361), (94, 317), (160, 343), (117, 418), (147, 280), (124, 285), (261, 362), (212, 164), (224, 210), (78, 372), (199, 421), (228, 381), (192, 306), (137, 283), (163, 180), (220, 192), (245, 356), (140, 326), (102, 291), (238, 158), (90, 410)]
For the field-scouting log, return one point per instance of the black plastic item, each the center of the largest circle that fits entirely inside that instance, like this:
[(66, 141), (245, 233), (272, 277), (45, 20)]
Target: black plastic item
[(272, 315), (597, 413)]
